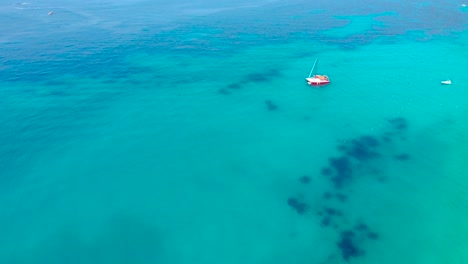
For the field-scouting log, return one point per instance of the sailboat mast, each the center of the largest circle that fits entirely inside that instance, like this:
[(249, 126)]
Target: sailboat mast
[(312, 70)]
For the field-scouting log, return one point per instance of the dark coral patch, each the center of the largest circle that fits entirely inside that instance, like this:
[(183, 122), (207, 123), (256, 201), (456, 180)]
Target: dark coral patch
[(396, 120), (304, 179), (326, 171), (234, 86), (256, 77), (347, 233), (330, 211), (342, 148), (362, 148), (382, 179), (386, 139), (373, 235), (300, 207), (398, 123), (341, 197), (361, 227), (327, 195), (326, 221), (370, 141), (402, 157), (223, 91), (343, 170), (362, 154), (274, 72), (271, 106), (401, 126), (261, 77), (341, 165), (348, 248)]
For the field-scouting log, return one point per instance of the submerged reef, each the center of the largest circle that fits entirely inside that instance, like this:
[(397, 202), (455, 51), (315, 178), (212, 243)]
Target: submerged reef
[(270, 105), (234, 86), (341, 171), (224, 91), (398, 123), (258, 77), (304, 179), (360, 156), (360, 152), (401, 157), (298, 206), (348, 247), (362, 149), (351, 241)]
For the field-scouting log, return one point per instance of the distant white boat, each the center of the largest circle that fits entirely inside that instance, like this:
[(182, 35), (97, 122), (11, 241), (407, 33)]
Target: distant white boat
[(50, 13), (446, 82)]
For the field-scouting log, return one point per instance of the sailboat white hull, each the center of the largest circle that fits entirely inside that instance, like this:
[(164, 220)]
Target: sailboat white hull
[(317, 81)]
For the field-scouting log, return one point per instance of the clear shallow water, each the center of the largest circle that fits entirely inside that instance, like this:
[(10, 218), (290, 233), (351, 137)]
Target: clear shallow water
[(180, 133)]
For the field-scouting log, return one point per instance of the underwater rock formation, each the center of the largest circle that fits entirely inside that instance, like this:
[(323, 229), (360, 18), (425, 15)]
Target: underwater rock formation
[(360, 156), (348, 247), (223, 91), (327, 195), (271, 106), (362, 148), (299, 207), (234, 86), (398, 123), (402, 157), (255, 77), (304, 179), (326, 171), (342, 171), (341, 197)]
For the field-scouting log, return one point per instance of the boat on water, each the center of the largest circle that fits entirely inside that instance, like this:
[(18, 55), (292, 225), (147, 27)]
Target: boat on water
[(447, 82), (315, 79)]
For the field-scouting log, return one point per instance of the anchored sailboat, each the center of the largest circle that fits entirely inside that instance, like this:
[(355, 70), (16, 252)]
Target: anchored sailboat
[(315, 79)]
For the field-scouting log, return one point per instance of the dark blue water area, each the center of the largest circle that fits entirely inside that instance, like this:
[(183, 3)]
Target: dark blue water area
[(94, 51), (308, 19)]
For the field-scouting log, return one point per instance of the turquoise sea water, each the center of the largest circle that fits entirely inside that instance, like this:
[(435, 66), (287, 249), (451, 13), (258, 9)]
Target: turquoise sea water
[(176, 132)]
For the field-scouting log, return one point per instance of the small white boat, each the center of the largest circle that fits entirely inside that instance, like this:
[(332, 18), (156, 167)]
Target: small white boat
[(316, 79), (446, 82)]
